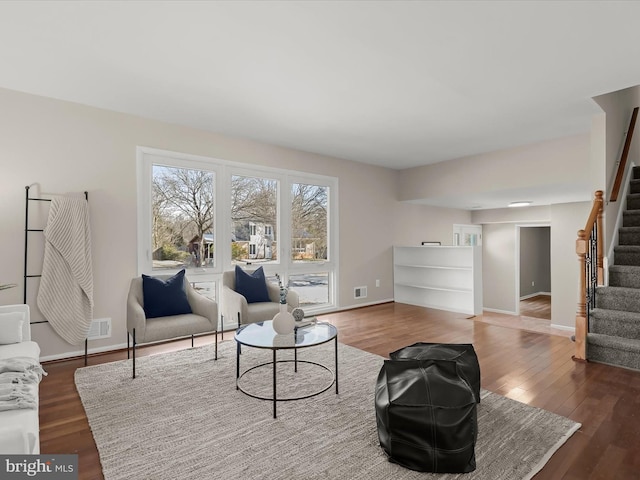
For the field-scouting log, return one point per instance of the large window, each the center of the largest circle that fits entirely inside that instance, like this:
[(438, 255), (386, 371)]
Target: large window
[(207, 215), (182, 206), (254, 213), (309, 243), (309, 223)]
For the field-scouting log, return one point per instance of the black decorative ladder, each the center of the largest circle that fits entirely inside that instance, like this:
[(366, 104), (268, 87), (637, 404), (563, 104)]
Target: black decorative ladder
[(27, 230)]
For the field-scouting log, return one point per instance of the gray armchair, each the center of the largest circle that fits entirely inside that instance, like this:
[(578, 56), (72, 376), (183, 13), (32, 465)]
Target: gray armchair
[(203, 319), (234, 305)]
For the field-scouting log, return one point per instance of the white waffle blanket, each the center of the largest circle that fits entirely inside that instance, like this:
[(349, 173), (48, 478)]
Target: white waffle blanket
[(65, 296)]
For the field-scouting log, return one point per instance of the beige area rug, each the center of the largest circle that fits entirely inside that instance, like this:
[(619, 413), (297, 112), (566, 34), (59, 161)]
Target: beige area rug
[(182, 418)]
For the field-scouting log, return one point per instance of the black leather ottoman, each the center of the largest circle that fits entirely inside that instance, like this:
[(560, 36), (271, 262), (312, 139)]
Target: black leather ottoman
[(462, 353), (426, 413)]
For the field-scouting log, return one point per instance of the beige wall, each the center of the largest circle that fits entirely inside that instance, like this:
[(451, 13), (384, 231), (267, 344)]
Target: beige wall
[(535, 260), (617, 107), (522, 167), (499, 230), (499, 267), (566, 220), (598, 152), (60, 147), (502, 215), (419, 223)]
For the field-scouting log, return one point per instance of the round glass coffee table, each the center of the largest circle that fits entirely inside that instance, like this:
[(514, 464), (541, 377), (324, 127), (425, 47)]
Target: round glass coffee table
[(262, 335)]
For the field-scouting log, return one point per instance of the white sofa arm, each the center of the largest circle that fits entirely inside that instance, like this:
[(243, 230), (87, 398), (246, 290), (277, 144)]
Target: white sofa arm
[(26, 325), (19, 429), (14, 441)]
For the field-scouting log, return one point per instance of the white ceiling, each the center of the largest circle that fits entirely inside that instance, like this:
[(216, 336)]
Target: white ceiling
[(395, 83)]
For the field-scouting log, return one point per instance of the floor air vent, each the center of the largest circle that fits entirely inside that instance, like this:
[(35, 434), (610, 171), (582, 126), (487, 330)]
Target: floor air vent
[(360, 292)]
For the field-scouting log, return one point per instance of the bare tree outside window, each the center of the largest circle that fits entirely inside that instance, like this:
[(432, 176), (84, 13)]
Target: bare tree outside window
[(309, 222), (254, 215), (182, 223)]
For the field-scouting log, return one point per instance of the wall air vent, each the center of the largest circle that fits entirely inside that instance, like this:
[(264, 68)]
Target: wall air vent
[(100, 328), (360, 292)]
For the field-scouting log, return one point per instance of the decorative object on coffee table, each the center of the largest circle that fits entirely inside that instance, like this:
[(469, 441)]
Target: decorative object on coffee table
[(298, 314), (283, 322), (305, 322)]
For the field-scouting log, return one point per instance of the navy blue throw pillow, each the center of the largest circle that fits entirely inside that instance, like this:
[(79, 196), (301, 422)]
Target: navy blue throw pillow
[(163, 298), (252, 286)]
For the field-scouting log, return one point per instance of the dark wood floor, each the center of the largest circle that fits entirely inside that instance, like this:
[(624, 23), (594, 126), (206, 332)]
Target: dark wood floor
[(533, 368), (537, 307)]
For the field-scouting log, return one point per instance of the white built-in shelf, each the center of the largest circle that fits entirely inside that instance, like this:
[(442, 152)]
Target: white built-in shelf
[(435, 267), (442, 277)]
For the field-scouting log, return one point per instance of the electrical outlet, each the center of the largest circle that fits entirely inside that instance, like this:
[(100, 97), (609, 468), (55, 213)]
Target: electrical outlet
[(533, 284), (377, 282)]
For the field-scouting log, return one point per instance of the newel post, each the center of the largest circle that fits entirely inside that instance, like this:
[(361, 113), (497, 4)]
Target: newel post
[(581, 314)]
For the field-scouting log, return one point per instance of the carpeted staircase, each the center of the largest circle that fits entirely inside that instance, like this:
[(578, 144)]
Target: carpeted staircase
[(614, 325)]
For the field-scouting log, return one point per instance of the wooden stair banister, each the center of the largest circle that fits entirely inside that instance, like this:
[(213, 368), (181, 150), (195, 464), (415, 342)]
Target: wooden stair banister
[(591, 233), (623, 158)]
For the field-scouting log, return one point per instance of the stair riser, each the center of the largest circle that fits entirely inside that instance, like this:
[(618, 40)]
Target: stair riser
[(630, 220), (608, 300), (614, 328), (614, 325), (597, 353), (633, 203), (628, 238), (619, 279), (627, 258)]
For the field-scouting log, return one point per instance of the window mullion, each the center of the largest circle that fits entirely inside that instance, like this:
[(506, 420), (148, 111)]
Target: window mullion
[(223, 219), (285, 224)]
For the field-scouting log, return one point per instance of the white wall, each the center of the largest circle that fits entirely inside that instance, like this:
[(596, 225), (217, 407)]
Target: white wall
[(61, 147)]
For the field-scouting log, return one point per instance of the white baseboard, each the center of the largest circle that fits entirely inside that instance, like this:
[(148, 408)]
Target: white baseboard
[(495, 310), (548, 294), (553, 325), (80, 353), (360, 305), (563, 327)]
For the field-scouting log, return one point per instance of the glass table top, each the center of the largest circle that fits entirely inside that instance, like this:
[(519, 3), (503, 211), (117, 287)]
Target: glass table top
[(262, 335)]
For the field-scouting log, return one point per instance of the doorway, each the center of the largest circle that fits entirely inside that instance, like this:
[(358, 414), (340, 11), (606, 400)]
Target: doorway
[(534, 273)]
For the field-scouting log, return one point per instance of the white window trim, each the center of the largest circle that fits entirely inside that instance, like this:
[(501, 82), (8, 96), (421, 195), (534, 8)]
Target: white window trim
[(224, 169)]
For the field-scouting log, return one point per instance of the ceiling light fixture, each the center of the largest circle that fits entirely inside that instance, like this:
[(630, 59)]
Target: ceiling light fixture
[(520, 204)]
